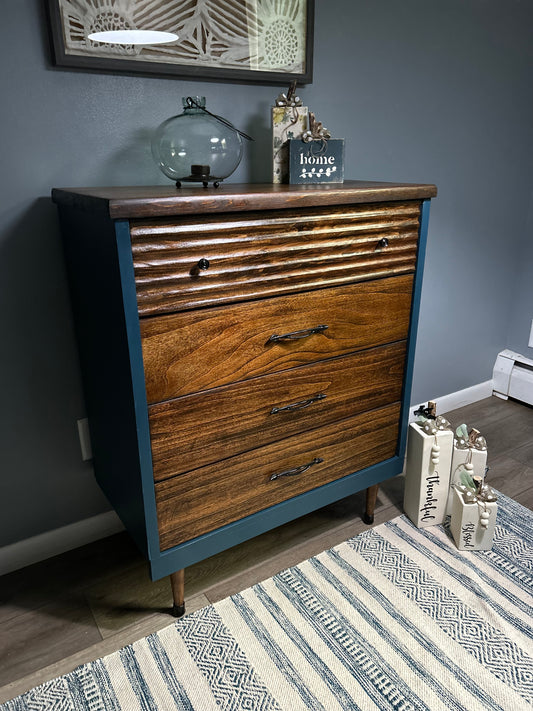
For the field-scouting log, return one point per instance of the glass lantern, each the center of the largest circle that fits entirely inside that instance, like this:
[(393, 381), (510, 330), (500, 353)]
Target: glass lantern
[(197, 146)]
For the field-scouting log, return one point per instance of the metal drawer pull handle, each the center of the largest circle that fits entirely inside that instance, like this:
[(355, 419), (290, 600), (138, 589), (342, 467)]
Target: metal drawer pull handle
[(296, 470), (295, 335), (298, 405)]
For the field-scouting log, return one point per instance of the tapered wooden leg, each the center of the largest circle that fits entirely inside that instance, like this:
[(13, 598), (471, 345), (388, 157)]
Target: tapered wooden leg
[(177, 580), (371, 496)]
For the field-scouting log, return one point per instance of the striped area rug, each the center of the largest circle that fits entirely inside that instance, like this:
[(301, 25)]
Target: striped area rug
[(395, 618)]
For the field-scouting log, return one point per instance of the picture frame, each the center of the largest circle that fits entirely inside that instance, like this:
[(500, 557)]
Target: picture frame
[(265, 41)]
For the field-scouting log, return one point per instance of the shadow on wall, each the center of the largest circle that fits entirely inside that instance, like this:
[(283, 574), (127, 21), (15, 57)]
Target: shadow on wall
[(44, 483), (133, 163), (259, 151)]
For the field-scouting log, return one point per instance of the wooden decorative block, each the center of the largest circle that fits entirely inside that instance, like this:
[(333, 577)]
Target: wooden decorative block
[(460, 457), (427, 483), (288, 122), (467, 531)]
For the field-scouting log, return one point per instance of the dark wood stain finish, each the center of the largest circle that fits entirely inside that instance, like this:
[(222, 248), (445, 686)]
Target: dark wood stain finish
[(197, 350), (213, 496), (240, 417), (160, 201), (255, 255)]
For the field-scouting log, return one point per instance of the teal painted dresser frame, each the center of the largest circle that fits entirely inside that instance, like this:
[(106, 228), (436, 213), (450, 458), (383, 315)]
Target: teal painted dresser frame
[(95, 224)]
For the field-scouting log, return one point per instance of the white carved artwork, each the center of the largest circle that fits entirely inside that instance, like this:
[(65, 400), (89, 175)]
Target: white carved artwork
[(238, 34)]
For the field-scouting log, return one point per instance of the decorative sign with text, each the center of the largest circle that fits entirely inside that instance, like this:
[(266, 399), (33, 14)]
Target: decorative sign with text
[(427, 475), (318, 161), (468, 529)]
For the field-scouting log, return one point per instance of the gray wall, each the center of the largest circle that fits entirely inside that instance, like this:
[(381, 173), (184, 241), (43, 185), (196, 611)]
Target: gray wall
[(434, 91), (521, 312)]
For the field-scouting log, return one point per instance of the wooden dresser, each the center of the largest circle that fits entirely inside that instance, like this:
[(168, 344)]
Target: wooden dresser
[(247, 351)]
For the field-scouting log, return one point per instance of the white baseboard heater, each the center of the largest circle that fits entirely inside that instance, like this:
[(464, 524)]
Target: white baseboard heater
[(513, 377)]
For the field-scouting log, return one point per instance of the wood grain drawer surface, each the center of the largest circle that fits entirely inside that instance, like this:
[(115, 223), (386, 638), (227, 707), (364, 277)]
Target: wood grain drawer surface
[(196, 430), (256, 255), (209, 497), (194, 351)]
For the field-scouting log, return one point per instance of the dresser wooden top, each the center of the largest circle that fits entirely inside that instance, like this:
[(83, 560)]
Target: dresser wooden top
[(152, 201)]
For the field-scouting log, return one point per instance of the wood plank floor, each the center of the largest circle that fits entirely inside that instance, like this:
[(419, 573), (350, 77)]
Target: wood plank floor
[(92, 601)]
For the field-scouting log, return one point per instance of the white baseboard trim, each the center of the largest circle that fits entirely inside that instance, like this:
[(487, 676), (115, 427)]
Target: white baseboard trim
[(46, 545), (33, 550), (457, 399)]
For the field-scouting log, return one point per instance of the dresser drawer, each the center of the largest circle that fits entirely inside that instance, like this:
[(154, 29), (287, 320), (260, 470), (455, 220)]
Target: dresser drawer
[(257, 255), (196, 430), (212, 496), (194, 351)]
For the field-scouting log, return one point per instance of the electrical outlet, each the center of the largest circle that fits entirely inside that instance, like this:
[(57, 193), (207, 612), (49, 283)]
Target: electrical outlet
[(85, 439), (530, 343)]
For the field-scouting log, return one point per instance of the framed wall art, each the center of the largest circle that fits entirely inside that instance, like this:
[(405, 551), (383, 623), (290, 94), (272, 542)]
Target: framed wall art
[(267, 41)]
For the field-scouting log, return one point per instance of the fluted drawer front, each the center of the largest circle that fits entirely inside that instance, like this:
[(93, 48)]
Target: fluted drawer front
[(194, 262), (194, 351), (212, 496), (196, 430)]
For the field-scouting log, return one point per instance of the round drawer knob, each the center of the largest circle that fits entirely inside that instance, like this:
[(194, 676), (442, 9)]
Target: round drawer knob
[(200, 266), (383, 242)]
